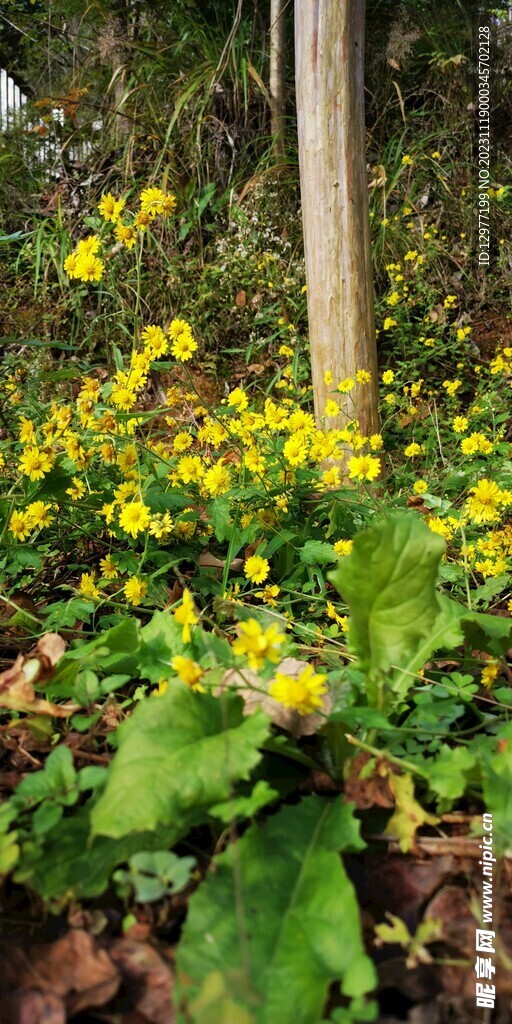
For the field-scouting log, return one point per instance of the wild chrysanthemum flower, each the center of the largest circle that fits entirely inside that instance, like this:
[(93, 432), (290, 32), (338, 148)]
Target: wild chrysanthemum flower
[(186, 616), (126, 235), (154, 340), (363, 467), (27, 432), (217, 480), (39, 513), (346, 385), (343, 547), (388, 377), (152, 201), (412, 450), (256, 569), (108, 568), (295, 450), (238, 399), (134, 518), (189, 672), (183, 347), (70, 264), (258, 645), (111, 208), (486, 498), (135, 590), (190, 469), (35, 462), (20, 525), (304, 694), (87, 586), (91, 244), (88, 267), (77, 490), (123, 397)]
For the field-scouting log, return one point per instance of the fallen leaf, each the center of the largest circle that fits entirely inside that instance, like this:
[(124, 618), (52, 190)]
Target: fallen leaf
[(370, 791), (146, 973), (409, 815)]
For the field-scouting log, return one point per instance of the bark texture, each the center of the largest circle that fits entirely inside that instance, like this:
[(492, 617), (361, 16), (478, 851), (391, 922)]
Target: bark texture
[(329, 55)]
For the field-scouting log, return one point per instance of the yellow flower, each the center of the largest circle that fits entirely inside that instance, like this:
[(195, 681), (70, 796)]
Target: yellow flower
[(108, 568), (35, 462), (123, 397), (70, 264), (388, 377), (363, 467), (489, 674), (328, 377), (135, 518), (27, 432), (20, 525), (407, 160), (389, 322), (295, 450), (342, 620), (190, 469), (161, 526), (111, 208), (343, 547), (256, 569), (87, 585), (77, 491), (181, 442), (363, 376), (412, 450), (460, 424), (154, 340), (152, 201), (303, 694), (486, 497), (88, 267), (90, 244), (183, 347), (39, 514), (331, 408), (189, 672), (331, 477), (420, 487), (376, 442), (346, 385), (258, 645), (217, 480), (126, 235), (186, 616), (134, 590), (452, 386), (238, 399), (269, 594)]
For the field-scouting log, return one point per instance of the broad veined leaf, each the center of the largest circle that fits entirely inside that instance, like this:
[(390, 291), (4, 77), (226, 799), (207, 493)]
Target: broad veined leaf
[(280, 908), (317, 552), (160, 642), (447, 774), (178, 755), (388, 581)]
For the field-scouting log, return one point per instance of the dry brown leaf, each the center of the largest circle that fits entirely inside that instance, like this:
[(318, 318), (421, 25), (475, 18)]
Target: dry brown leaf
[(145, 971), (17, 682)]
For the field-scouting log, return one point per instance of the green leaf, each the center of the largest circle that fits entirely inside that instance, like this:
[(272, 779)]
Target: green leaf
[(245, 806), (485, 632), (221, 519), (388, 581), (160, 642), (178, 755), (317, 552), (280, 909), (447, 774)]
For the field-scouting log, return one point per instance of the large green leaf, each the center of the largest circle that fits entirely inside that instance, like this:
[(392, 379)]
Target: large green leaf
[(389, 583), (280, 909), (178, 755)]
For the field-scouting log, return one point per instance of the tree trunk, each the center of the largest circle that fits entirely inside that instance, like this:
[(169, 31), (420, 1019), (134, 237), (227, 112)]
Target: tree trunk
[(277, 77), (329, 55)]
